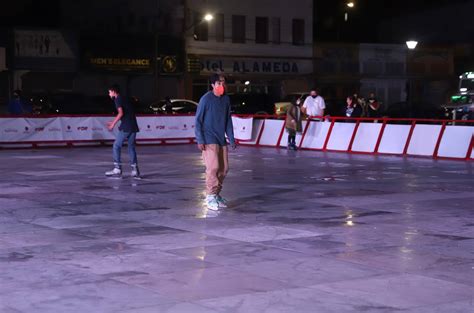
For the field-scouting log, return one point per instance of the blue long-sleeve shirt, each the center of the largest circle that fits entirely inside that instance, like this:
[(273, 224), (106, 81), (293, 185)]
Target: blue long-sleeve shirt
[(213, 120)]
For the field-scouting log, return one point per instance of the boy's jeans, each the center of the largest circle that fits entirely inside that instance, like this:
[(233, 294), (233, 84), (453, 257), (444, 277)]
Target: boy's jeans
[(121, 136)]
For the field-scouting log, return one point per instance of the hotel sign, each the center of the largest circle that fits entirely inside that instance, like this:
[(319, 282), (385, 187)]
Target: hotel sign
[(206, 65)]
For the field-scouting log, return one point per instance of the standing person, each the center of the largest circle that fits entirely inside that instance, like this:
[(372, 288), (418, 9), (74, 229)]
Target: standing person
[(128, 129), (373, 106), (314, 105), (213, 122), (361, 102), (353, 107), (293, 123), (17, 106)]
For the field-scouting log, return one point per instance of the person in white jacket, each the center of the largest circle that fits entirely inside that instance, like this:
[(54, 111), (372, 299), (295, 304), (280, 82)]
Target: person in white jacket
[(314, 104)]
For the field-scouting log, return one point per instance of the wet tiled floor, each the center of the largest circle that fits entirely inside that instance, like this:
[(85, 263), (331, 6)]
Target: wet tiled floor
[(305, 232)]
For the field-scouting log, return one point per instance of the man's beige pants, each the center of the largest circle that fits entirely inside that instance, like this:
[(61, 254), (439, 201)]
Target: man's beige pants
[(217, 165)]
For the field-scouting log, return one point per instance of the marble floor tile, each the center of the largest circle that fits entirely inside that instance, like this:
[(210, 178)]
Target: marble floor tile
[(301, 300), (240, 253), (196, 284), (305, 231), (401, 290), (304, 272), (106, 296)]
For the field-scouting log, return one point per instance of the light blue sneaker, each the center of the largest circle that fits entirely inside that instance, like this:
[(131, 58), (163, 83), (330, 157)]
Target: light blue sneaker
[(211, 202), (222, 202)]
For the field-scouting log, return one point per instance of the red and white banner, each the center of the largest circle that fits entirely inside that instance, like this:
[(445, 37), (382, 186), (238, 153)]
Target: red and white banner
[(94, 128)]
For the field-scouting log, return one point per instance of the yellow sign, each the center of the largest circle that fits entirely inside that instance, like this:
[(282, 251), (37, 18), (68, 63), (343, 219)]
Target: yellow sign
[(169, 64), (125, 62)]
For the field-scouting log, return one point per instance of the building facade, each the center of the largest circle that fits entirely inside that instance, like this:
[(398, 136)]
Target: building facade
[(261, 46)]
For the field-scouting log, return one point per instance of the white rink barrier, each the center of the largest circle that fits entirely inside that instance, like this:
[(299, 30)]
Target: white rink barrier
[(426, 138), (436, 139), (83, 130)]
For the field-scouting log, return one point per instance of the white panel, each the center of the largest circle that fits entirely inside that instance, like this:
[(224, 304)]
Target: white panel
[(30, 129), (423, 141), (341, 136), (366, 137), (242, 127), (257, 126), (166, 127), (394, 139), (284, 139), (455, 142), (99, 128), (271, 132), (316, 135)]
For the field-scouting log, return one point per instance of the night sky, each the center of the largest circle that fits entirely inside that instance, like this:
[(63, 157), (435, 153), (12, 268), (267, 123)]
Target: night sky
[(364, 17), (329, 22)]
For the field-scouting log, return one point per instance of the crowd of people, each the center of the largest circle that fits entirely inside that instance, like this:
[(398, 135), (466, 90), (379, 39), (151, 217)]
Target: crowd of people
[(314, 107)]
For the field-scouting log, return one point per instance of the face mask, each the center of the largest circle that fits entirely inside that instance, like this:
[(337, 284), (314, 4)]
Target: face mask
[(314, 97), (219, 90), (298, 102)]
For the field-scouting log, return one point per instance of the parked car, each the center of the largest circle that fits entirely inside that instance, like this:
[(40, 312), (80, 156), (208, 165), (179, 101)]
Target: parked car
[(282, 106), (251, 103), (459, 112), (176, 106)]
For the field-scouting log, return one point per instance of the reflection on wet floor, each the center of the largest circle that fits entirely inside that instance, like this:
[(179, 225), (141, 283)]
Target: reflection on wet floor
[(304, 232)]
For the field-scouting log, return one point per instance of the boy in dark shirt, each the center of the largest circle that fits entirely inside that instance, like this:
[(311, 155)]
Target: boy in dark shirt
[(128, 129)]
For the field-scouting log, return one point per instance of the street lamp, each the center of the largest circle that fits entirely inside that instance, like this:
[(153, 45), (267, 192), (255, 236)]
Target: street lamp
[(207, 18), (411, 44), (350, 5)]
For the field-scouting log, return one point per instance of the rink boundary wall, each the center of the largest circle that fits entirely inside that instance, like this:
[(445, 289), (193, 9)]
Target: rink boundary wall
[(438, 139)]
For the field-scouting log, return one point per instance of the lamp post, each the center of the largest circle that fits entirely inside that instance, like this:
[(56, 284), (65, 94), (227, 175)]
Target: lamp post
[(349, 5), (341, 29), (206, 18), (411, 45)]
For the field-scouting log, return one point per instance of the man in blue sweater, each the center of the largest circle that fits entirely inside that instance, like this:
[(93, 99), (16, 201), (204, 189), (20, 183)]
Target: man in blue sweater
[(213, 122)]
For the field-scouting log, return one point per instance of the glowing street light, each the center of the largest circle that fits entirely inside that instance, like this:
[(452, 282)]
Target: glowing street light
[(411, 44), (350, 5), (208, 17)]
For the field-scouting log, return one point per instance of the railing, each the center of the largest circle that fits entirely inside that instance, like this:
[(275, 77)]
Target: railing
[(439, 139)]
